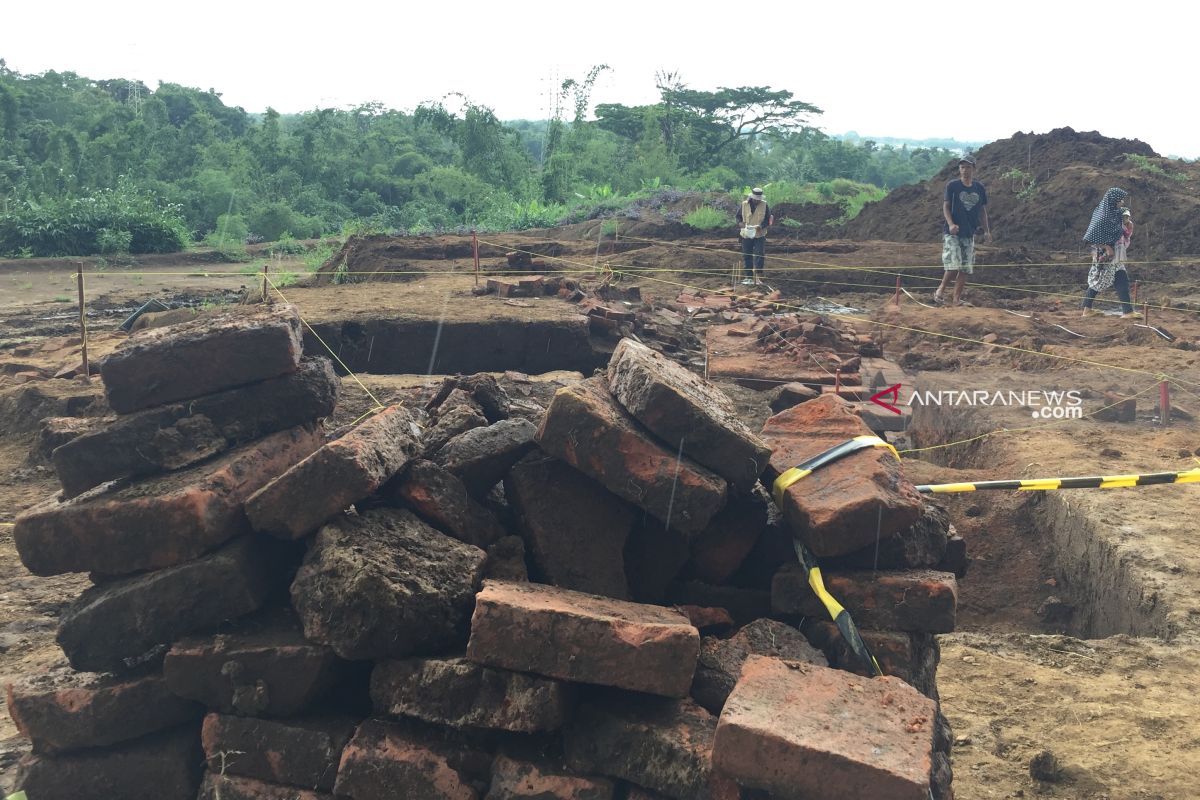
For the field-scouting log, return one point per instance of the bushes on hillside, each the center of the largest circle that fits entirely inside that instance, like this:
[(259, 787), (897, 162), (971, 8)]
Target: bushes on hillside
[(109, 221)]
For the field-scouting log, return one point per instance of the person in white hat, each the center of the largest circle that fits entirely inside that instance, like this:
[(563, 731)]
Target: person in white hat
[(753, 218)]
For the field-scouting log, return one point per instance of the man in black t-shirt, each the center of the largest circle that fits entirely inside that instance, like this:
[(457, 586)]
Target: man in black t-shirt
[(964, 211)]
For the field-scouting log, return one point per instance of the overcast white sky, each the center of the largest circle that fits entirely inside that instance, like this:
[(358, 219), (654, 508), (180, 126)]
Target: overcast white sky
[(926, 68)]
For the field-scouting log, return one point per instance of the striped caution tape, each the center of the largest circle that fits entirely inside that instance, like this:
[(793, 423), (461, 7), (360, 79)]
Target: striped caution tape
[(1048, 484), (839, 614), (841, 617), (821, 459)]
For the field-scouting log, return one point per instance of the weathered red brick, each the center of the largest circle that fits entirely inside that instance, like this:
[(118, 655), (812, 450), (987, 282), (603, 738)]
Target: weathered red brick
[(792, 394), (921, 545), (302, 752), (686, 412), (576, 529), (481, 457), (721, 660), (386, 585), (664, 745), (339, 474), (259, 666), (800, 730), (526, 780), (61, 709), (584, 638), (587, 428), (160, 766), (440, 498), (849, 503), (911, 657), (233, 787), (385, 761), (916, 600), (461, 693), (157, 522), (125, 618), (180, 434), (206, 355)]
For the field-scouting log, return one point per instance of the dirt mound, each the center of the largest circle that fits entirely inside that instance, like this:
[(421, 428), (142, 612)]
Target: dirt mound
[(1041, 192)]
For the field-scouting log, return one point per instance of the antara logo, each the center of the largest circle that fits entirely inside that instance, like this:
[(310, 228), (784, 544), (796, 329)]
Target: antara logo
[(1042, 403)]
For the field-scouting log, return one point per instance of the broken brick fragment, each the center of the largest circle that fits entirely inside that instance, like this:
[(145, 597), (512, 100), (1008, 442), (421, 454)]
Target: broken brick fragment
[(300, 752), (801, 730), (180, 434), (587, 428), (849, 503), (460, 693), (915, 600), (260, 665), (583, 638), (60, 709), (156, 522), (386, 585), (203, 356), (687, 412), (337, 475)]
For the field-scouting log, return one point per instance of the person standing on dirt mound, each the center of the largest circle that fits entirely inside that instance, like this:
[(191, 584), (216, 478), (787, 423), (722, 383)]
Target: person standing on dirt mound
[(1109, 233), (753, 217), (964, 211)]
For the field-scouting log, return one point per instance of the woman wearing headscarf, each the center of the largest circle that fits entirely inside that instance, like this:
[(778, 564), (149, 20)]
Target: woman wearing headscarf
[(1104, 232)]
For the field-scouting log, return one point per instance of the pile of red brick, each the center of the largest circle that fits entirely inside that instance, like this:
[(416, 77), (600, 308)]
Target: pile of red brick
[(589, 601)]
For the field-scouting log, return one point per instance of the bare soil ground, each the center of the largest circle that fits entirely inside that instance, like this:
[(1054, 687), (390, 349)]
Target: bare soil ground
[(1026, 672)]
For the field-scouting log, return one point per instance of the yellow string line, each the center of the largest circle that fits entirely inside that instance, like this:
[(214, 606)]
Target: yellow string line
[(1042, 426), (635, 270), (821, 266), (778, 304), (322, 341), (921, 331), (1185, 391), (856, 268), (1184, 261)]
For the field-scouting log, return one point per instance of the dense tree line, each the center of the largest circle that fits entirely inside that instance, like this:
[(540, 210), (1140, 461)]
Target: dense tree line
[(111, 165)]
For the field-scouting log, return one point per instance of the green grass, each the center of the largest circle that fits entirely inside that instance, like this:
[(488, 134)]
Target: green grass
[(314, 258), (706, 218), (1146, 165), (850, 195), (62, 298)]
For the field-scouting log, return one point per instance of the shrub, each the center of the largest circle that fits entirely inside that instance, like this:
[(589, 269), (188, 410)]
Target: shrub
[(113, 242), (128, 217), (706, 219)]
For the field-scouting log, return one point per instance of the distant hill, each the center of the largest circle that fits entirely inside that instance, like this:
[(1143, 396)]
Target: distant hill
[(853, 137)]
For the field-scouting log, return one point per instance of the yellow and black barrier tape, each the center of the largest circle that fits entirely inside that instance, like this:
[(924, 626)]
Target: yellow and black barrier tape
[(841, 617), (839, 614), (1050, 484), (842, 450)]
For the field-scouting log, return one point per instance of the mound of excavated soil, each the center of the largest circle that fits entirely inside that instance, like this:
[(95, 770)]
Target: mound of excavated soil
[(1041, 192)]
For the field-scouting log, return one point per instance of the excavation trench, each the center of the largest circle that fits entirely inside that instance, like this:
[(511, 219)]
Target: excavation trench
[(1050, 561)]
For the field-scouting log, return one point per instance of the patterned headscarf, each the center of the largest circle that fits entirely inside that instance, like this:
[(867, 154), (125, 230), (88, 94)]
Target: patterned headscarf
[(1105, 227)]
